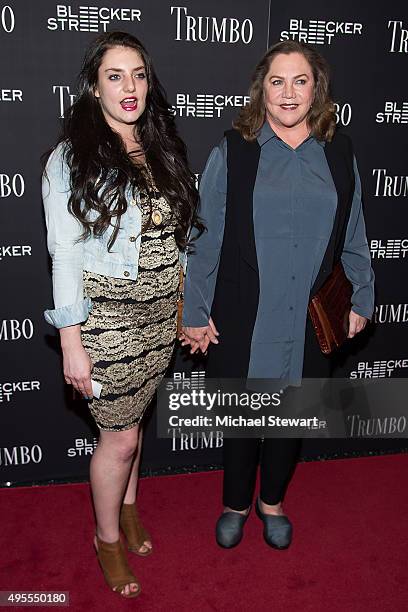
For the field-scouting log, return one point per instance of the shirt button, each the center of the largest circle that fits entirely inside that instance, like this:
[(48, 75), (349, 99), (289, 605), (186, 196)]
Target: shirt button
[(293, 277), (126, 273), (132, 239), (290, 307), (295, 245)]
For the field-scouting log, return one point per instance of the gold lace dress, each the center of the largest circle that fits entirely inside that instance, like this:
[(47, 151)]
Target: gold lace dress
[(131, 330)]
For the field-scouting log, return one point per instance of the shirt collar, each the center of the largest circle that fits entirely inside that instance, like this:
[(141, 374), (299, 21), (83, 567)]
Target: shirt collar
[(266, 133)]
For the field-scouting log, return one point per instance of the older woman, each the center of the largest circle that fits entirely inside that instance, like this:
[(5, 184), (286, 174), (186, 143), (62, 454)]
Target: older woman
[(281, 200)]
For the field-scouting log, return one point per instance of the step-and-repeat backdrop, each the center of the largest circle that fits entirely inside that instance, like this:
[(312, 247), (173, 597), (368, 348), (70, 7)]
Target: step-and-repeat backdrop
[(204, 53)]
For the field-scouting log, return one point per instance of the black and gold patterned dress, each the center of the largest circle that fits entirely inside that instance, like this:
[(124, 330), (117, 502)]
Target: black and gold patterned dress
[(131, 330)]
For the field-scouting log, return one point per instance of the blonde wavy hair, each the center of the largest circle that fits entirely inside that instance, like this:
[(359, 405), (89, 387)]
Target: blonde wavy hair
[(321, 117)]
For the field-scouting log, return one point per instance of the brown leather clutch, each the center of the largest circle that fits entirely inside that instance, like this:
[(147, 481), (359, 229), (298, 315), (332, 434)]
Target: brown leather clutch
[(329, 310)]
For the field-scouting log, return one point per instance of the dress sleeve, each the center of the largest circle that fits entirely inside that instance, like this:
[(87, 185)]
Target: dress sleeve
[(64, 246), (356, 258), (203, 261)]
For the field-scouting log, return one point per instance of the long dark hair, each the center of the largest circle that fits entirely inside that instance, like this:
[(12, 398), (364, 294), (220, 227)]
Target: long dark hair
[(100, 167), (321, 118)]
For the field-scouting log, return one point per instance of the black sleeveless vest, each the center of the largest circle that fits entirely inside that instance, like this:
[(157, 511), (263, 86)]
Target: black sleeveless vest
[(236, 295)]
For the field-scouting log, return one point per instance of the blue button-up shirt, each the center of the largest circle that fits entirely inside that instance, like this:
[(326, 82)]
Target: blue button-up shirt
[(294, 207)]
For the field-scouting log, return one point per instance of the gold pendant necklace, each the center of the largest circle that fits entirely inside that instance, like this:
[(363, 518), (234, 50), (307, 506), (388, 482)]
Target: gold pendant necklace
[(157, 217)]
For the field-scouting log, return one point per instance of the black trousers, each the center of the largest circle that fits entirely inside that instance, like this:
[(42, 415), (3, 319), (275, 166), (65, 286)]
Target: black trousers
[(277, 456)]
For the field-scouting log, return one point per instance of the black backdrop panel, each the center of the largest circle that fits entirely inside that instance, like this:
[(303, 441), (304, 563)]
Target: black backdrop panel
[(204, 53)]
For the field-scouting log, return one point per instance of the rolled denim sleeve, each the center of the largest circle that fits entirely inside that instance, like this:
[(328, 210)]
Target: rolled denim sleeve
[(64, 246), (203, 261), (356, 256)]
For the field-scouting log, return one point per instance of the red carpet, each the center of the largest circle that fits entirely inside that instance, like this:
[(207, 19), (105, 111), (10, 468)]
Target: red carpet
[(349, 551)]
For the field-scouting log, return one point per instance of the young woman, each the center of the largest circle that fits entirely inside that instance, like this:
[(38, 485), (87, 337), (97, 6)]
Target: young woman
[(119, 200)]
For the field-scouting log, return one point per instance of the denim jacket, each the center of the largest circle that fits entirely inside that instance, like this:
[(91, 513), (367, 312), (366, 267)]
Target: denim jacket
[(71, 256)]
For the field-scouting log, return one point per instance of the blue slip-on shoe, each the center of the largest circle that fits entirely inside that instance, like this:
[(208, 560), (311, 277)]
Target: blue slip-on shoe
[(230, 528), (277, 530)]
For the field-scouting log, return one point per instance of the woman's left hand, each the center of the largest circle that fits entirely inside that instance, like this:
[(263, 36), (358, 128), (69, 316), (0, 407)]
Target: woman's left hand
[(356, 324)]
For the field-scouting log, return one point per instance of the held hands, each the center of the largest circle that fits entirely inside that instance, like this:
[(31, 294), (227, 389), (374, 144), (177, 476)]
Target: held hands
[(199, 337), (356, 324)]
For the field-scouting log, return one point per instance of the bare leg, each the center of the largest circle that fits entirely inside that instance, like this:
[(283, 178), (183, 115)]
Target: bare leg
[(228, 509), (109, 472), (275, 509), (131, 489)]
